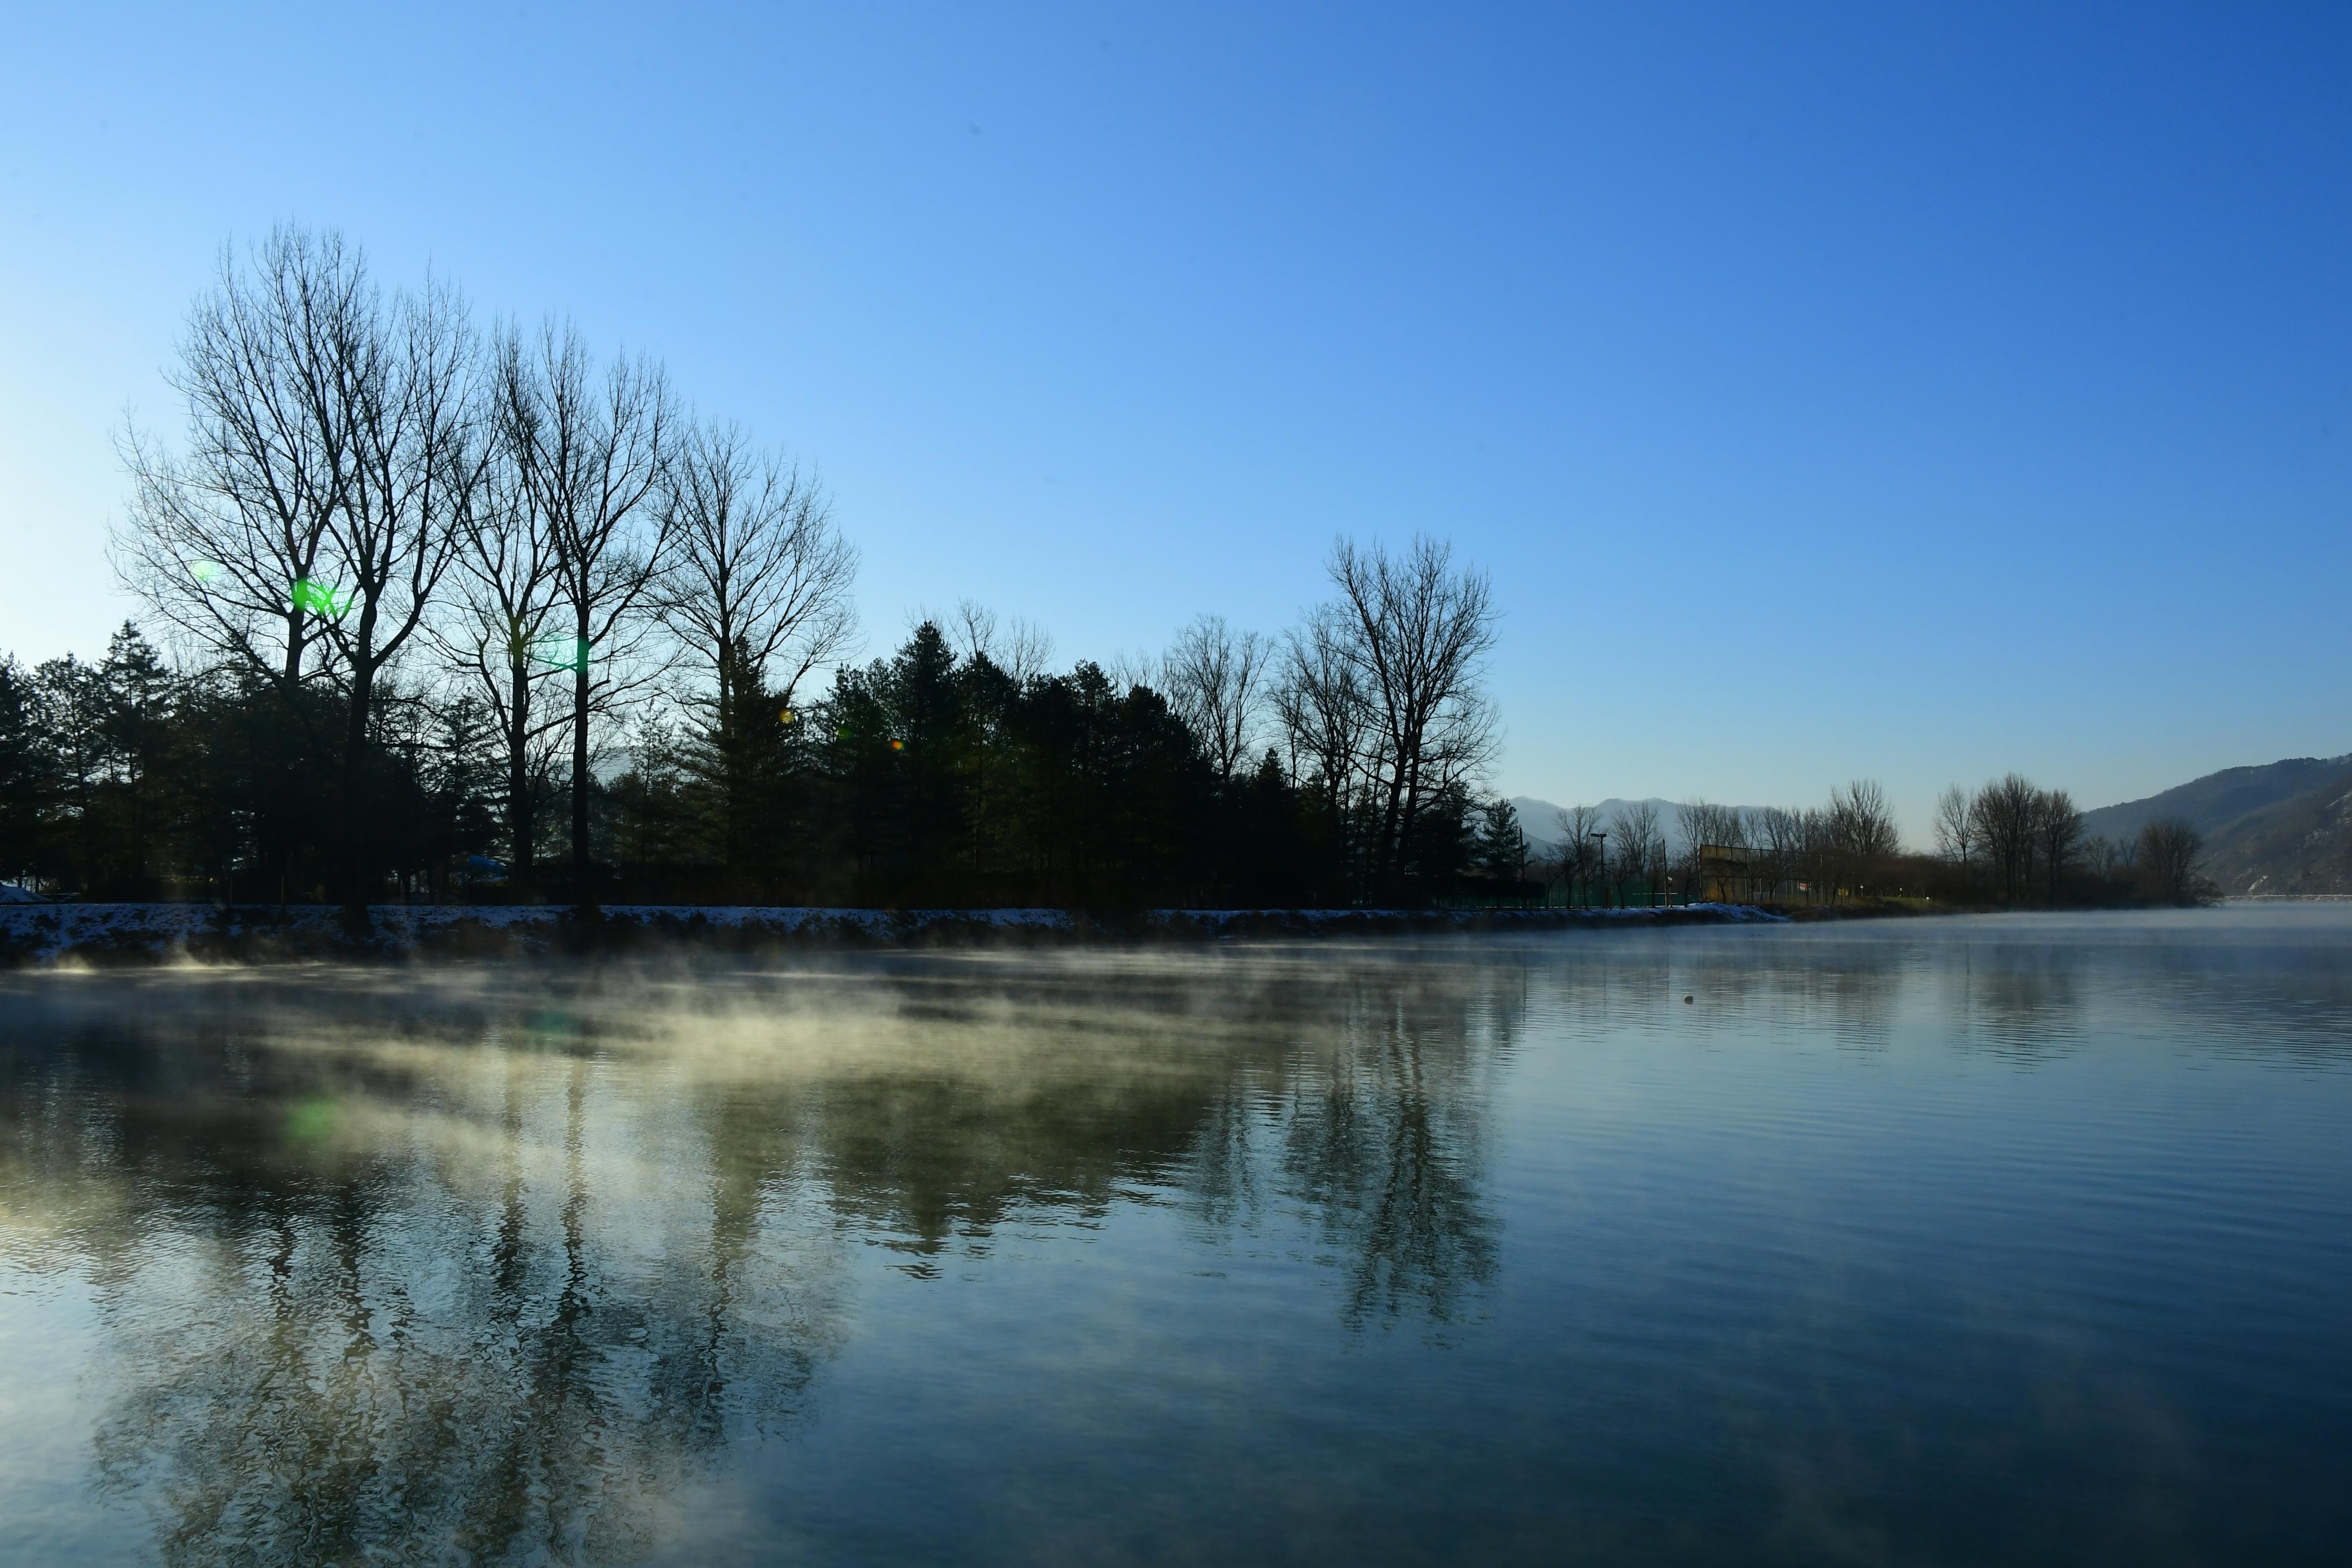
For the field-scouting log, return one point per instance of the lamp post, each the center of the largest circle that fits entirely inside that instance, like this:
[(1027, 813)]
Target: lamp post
[(1604, 856)]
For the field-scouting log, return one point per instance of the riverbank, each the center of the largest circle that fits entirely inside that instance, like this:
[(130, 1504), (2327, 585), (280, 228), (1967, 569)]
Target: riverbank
[(115, 934)]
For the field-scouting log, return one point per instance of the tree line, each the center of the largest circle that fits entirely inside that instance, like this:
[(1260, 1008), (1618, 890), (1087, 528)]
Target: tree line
[(2010, 842), (2024, 843), (453, 612)]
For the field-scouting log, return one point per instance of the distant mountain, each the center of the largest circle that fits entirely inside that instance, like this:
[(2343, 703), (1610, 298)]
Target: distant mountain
[(2302, 844), (2286, 827), (2218, 801)]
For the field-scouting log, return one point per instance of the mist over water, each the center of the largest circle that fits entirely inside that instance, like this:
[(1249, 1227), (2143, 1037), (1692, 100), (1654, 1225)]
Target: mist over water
[(2020, 1239)]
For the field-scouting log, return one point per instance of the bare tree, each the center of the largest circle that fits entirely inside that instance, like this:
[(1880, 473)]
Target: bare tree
[(758, 573), (1320, 702), (2111, 859), (2057, 833), (335, 448), (758, 598), (1419, 634), (1215, 679), (2168, 851), (1020, 648), (1578, 849), (756, 592), (1639, 848), (1132, 668), (595, 453), (1956, 825), (417, 465), (224, 540), (501, 640), (1782, 848), (2004, 813), (1861, 826)]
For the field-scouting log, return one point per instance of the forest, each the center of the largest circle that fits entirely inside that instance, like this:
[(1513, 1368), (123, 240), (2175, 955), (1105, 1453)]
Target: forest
[(439, 612)]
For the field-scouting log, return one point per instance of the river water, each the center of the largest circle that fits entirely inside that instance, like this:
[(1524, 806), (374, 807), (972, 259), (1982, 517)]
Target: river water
[(2021, 1239)]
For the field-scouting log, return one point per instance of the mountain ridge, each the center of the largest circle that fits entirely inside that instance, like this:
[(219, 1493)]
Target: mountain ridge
[(2217, 802), (2282, 827)]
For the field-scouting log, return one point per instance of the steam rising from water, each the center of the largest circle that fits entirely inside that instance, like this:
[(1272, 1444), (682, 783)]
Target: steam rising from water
[(621, 1264)]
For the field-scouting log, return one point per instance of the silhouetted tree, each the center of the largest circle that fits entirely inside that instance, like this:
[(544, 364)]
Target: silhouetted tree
[(1327, 724), (1502, 850), (501, 634), (1956, 825), (757, 591), (332, 448), (1215, 680), (2057, 832), (1860, 828), (594, 453), (2004, 814), (27, 776), (1636, 846), (2168, 851), (226, 538), (136, 695), (355, 480), (1416, 634)]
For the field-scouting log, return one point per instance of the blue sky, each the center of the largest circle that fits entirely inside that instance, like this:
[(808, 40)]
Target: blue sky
[(1904, 391)]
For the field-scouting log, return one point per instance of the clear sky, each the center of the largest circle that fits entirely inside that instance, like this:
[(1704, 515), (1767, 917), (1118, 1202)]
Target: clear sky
[(1899, 391)]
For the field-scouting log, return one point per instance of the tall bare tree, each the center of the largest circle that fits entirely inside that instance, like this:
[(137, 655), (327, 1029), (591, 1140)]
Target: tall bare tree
[(1861, 828), (756, 592), (1320, 702), (334, 447), (503, 639), (417, 455), (225, 538), (2057, 834), (1782, 839), (1419, 634), (2004, 813), (595, 452), (1215, 679), (1576, 825), (756, 563), (1956, 825), (1637, 844)]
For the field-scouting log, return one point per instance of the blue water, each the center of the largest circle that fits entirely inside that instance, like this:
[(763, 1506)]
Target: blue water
[(2019, 1239)]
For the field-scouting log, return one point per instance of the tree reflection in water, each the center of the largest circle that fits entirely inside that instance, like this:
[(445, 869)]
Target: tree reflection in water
[(499, 1268), (1385, 1141)]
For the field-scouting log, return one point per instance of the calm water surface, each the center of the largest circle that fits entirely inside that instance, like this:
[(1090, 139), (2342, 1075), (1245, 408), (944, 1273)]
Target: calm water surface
[(2018, 1240)]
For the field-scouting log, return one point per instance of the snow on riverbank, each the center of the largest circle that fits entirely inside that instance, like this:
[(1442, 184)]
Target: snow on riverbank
[(46, 934)]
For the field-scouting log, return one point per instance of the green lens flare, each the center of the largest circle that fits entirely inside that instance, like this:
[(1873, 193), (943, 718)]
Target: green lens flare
[(205, 570), (312, 1121), (561, 653), (320, 598)]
